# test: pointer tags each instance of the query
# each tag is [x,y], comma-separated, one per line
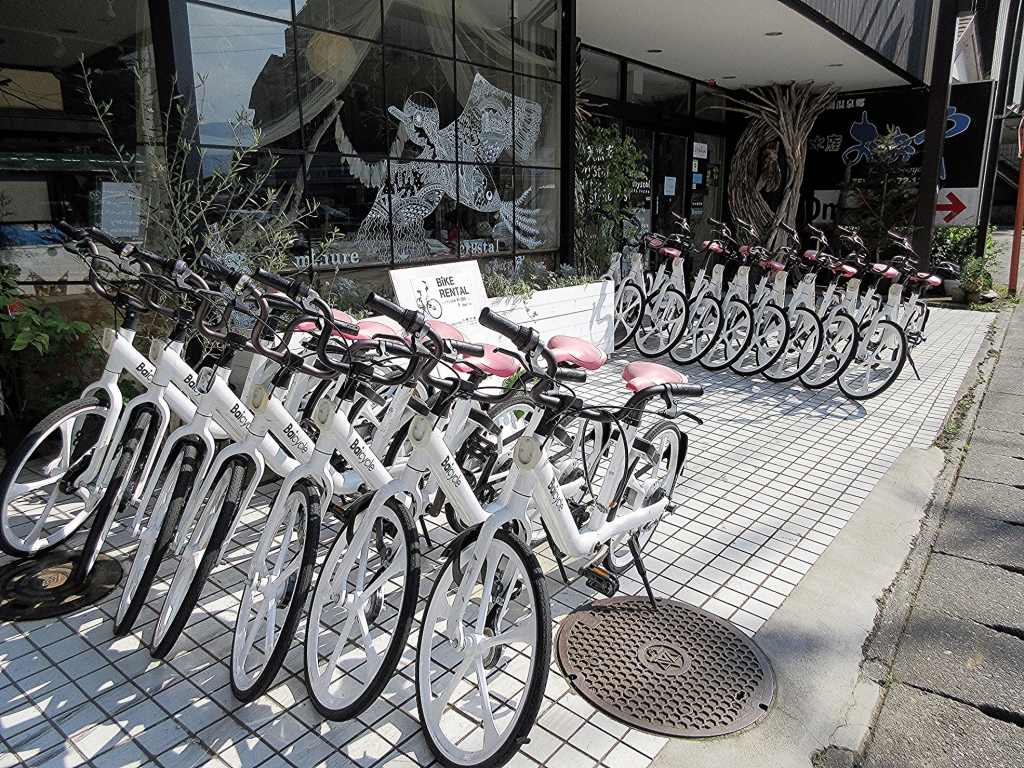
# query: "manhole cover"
[39,588]
[679,671]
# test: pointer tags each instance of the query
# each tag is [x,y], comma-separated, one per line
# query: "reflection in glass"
[536,24]
[281,9]
[419,84]
[600,74]
[425,25]
[483,32]
[539,210]
[546,94]
[487,228]
[341,82]
[243,65]
[652,88]
[709,104]
[352,17]
[485,128]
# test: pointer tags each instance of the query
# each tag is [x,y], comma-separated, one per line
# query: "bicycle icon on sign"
[428,306]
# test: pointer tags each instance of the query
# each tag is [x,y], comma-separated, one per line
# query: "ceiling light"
[67,30]
[654,50]
[833,65]
[772,34]
[729,77]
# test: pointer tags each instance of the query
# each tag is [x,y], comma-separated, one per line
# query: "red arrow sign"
[955,206]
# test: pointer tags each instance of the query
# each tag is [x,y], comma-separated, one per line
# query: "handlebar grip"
[787,229]
[72,232]
[409,319]
[101,237]
[466,349]
[165,263]
[218,270]
[346,328]
[574,375]
[523,338]
[686,390]
[395,347]
[293,289]
[715,223]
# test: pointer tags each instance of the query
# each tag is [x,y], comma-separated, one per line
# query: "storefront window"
[600,74]
[709,104]
[666,93]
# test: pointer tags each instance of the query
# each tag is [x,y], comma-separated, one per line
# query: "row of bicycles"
[378,427]
[820,315]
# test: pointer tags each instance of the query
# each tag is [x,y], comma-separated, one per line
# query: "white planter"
[583,311]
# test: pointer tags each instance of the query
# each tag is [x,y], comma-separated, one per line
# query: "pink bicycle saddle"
[672,253]
[576,352]
[641,375]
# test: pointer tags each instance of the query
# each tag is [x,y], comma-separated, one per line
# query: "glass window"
[600,74]
[352,17]
[540,105]
[483,32]
[537,27]
[420,101]
[666,93]
[486,115]
[341,82]
[282,9]
[537,217]
[709,104]
[244,65]
[425,25]
[485,211]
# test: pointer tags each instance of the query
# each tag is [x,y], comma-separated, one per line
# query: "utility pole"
[1018,222]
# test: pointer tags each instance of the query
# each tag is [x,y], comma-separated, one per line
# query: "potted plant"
[43,359]
[975,277]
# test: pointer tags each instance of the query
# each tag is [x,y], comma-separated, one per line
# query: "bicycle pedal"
[601,580]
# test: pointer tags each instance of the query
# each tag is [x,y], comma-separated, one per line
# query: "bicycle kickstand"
[910,359]
[634,547]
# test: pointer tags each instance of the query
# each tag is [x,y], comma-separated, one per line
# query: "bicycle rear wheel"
[479,696]
[159,529]
[879,360]
[40,507]
[275,592]
[362,610]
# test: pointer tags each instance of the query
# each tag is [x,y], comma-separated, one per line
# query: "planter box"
[583,311]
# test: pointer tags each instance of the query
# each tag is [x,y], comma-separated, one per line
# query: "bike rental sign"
[452,293]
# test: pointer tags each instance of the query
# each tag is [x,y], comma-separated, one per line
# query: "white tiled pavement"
[771,478]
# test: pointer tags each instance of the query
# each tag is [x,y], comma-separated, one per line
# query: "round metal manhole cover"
[678,671]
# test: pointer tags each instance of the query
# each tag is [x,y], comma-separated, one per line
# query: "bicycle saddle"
[492,362]
[672,253]
[640,375]
[446,331]
[774,266]
[885,270]
[933,280]
[712,245]
[575,351]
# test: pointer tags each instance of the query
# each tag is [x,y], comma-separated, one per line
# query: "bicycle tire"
[737,335]
[666,329]
[173,618]
[629,308]
[130,452]
[833,360]
[803,345]
[700,333]
[619,557]
[858,368]
[333,577]
[183,463]
[526,579]
[79,455]
[249,685]
[770,324]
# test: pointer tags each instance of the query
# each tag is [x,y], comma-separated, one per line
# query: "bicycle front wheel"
[40,506]
[737,333]
[839,345]
[771,327]
[362,610]
[879,360]
[802,347]
[629,311]
[701,332]
[480,677]
[275,592]
[665,317]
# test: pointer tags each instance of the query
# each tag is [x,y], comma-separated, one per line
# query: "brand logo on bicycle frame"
[295,439]
[362,454]
[556,494]
[190,382]
[146,371]
[240,417]
[451,472]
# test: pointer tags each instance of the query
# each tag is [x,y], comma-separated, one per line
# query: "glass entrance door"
[670,179]
[706,190]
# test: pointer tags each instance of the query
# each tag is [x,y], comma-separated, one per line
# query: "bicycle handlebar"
[525,339]
[411,320]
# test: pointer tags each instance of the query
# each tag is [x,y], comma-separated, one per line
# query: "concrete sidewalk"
[952,673]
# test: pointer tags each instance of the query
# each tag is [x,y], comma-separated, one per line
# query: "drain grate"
[678,671]
[40,587]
